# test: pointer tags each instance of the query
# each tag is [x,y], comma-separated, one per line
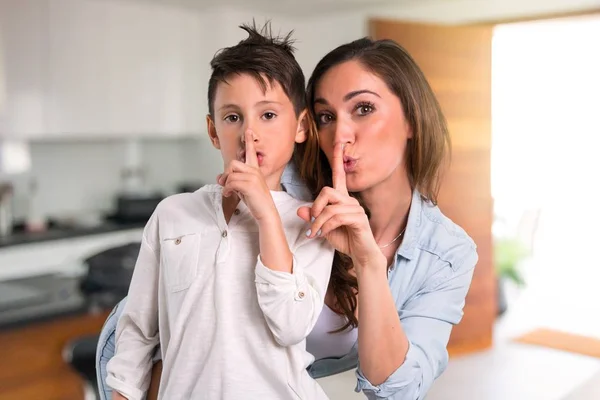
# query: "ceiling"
[290,8]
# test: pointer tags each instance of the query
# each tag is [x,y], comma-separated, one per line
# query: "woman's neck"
[389,204]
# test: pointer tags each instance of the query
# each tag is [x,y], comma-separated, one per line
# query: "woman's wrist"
[374,261]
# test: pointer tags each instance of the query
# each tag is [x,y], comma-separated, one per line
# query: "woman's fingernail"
[319,233]
[312,219]
[308,232]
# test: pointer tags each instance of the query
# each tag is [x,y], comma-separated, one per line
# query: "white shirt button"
[224,234]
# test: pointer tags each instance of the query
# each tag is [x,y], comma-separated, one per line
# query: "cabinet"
[32,364]
[90,69]
[23,26]
[76,64]
[154,67]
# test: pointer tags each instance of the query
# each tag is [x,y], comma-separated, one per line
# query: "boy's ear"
[302,130]
[212,132]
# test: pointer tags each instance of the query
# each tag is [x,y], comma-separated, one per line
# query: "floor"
[513,371]
[509,371]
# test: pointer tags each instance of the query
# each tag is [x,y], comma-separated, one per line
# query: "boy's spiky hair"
[261,55]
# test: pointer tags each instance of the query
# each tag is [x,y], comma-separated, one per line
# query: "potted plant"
[508,254]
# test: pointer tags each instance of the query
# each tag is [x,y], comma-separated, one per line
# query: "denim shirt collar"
[413,227]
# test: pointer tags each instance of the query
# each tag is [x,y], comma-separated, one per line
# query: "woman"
[403,269]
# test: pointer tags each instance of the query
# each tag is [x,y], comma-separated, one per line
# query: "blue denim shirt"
[429,282]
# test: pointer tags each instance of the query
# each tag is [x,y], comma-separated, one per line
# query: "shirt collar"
[411,234]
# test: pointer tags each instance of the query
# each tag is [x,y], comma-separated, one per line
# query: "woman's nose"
[344,132]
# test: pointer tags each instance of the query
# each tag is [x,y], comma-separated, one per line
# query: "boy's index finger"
[251,158]
[337,169]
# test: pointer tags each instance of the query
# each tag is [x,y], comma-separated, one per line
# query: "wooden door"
[457,63]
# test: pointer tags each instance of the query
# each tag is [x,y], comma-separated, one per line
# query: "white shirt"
[325,342]
[229,327]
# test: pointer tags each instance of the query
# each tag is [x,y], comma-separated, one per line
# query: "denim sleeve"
[106,349]
[427,319]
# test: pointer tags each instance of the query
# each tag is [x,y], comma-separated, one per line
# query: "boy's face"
[240,105]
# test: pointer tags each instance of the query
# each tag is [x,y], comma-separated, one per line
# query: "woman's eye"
[365,109]
[232,118]
[269,115]
[324,119]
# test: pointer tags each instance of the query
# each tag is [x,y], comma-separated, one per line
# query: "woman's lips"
[349,164]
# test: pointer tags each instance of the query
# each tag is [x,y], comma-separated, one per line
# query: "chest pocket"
[180,260]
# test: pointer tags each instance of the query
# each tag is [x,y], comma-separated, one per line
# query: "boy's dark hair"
[260,55]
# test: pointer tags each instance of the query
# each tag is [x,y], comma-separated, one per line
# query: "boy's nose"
[251,133]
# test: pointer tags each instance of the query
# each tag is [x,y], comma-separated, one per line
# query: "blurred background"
[102,114]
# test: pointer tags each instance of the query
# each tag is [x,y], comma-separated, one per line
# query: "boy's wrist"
[269,218]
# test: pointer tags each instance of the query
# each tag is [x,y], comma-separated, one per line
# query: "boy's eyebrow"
[224,106]
[235,106]
[263,102]
[349,96]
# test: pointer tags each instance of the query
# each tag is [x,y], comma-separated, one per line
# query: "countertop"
[56,232]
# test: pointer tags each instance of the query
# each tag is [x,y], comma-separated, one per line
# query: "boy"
[227,281]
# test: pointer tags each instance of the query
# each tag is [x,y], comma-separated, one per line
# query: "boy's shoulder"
[182,202]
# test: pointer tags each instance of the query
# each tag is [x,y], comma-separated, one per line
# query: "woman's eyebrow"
[357,92]
[349,96]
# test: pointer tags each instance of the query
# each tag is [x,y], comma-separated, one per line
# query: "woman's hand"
[339,217]
[246,180]
[118,396]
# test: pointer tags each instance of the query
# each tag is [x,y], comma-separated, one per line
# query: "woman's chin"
[354,184]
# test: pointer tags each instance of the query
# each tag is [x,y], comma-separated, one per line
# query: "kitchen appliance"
[109,274]
[135,208]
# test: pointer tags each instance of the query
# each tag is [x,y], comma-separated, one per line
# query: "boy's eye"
[232,118]
[269,115]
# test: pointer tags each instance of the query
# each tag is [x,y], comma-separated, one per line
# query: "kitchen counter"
[62,253]
[56,233]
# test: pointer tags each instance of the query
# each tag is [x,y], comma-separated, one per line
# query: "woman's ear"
[212,132]
[302,129]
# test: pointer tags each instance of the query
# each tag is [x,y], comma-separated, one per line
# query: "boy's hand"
[246,180]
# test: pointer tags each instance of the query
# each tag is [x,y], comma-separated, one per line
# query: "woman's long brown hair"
[316,173]
[426,152]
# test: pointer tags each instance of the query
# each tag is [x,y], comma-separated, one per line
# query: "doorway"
[546,167]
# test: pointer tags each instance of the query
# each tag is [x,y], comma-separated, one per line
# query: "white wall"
[88,177]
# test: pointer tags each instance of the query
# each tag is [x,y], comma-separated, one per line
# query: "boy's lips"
[259,156]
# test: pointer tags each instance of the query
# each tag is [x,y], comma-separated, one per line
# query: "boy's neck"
[229,205]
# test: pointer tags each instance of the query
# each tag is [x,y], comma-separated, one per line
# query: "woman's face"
[355,107]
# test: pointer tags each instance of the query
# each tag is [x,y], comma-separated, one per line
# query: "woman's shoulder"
[441,236]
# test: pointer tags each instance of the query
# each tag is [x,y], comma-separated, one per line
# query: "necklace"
[396,238]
